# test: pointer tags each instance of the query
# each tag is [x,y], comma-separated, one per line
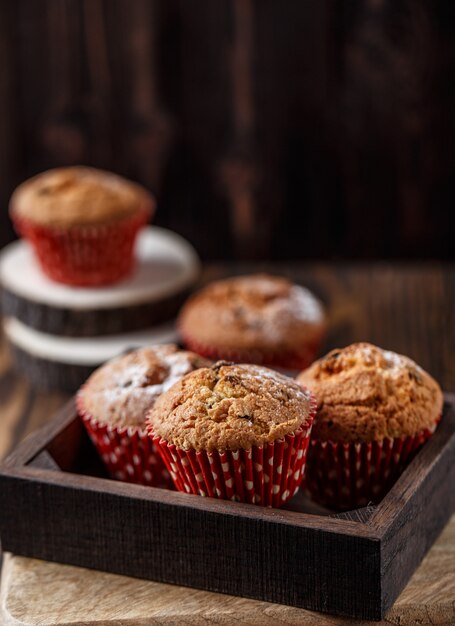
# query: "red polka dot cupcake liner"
[85,255]
[345,476]
[266,475]
[289,360]
[128,453]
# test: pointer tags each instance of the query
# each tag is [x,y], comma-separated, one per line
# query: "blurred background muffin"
[254,319]
[114,401]
[82,223]
[375,410]
[237,432]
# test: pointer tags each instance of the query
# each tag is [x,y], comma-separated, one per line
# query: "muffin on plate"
[114,401]
[258,319]
[238,432]
[375,410]
[82,223]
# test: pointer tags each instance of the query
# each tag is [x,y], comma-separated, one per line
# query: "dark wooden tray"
[57,506]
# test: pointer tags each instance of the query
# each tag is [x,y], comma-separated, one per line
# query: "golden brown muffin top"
[253,312]
[121,391]
[365,393]
[78,196]
[230,407]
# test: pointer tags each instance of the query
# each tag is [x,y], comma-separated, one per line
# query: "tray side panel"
[273,561]
[421,517]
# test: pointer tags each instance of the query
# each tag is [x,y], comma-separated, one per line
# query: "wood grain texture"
[410,525]
[49,375]
[296,558]
[331,114]
[405,308]
[23,410]
[77,596]
[92,322]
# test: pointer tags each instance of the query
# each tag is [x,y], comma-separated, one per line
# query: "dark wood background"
[297,129]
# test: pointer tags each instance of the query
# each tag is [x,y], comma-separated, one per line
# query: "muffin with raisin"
[114,402]
[81,222]
[238,432]
[258,319]
[376,408]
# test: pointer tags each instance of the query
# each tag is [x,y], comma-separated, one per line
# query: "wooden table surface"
[406,308]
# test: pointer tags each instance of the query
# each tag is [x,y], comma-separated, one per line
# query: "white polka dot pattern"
[344,476]
[128,454]
[267,475]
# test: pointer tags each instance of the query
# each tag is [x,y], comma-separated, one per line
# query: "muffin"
[237,432]
[82,223]
[375,410]
[114,402]
[254,319]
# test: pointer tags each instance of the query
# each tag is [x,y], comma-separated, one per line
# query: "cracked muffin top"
[253,312]
[121,391]
[78,196]
[230,407]
[365,393]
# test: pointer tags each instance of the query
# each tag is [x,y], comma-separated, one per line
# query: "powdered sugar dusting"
[391,363]
[260,373]
[367,353]
[136,378]
[397,362]
[272,317]
[179,365]
[124,389]
[305,305]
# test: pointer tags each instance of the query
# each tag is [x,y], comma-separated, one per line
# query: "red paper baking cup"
[267,475]
[345,476]
[295,360]
[128,453]
[85,255]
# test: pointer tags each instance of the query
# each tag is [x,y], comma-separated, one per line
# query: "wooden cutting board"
[47,594]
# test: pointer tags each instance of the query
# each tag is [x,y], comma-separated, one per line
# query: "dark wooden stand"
[166,270]
[60,334]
